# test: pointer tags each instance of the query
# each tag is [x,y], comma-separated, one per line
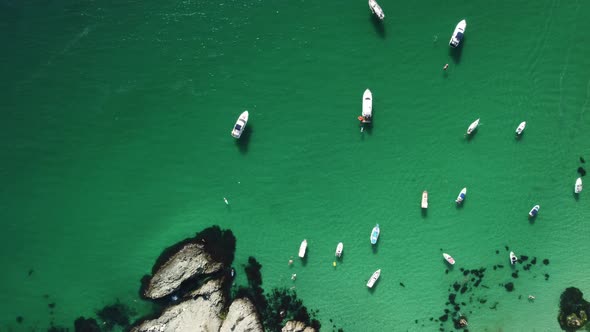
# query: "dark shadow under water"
[456,52]
[378,25]
[244,141]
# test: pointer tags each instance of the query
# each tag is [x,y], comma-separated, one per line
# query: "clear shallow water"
[116,144]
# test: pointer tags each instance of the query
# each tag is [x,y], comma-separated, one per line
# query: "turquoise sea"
[116,120]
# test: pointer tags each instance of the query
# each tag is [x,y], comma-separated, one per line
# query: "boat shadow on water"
[378,25]
[375,247]
[532,219]
[455,52]
[243,142]
[424,212]
[471,136]
[576,196]
[366,128]
[372,289]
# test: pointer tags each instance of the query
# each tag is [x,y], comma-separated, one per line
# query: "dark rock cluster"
[462,293]
[573,310]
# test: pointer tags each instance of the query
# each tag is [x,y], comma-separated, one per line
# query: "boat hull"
[534,211]
[367,110]
[513,258]
[339,249]
[461,196]
[302,248]
[578,186]
[375,234]
[472,127]
[424,202]
[520,128]
[376,9]
[458,34]
[449,259]
[240,125]
[373,278]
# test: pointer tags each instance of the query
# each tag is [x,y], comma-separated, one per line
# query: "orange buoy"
[360,118]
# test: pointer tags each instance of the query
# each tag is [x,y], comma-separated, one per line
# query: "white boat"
[472,126]
[373,278]
[513,258]
[520,128]
[578,186]
[461,196]
[302,248]
[367,113]
[240,125]
[376,9]
[375,234]
[534,211]
[457,36]
[339,249]
[449,259]
[424,203]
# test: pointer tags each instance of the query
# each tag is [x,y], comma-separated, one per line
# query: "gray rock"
[197,314]
[188,262]
[242,317]
[296,326]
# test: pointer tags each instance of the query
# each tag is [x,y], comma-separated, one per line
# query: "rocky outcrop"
[201,312]
[573,310]
[190,261]
[295,326]
[242,316]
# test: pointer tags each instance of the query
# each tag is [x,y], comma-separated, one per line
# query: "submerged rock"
[86,325]
[509,286]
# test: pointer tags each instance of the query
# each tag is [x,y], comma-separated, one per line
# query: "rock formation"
[199,313]
[187,263]
[242,316]
[296,326]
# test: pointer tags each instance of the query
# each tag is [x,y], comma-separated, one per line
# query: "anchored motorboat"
[458,33]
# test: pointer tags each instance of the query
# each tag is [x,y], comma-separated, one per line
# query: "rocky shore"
[192,281]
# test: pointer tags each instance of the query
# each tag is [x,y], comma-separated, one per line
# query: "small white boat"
[457,36]
[339,249]
[534,211]
[520,128]
[513,258]
[375,234]
[302,248]
[373,278]
[461,196]
[578,186]
[449,259]
[240,125]
[376,9]
[424,203]
[472,126]
[367,113]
